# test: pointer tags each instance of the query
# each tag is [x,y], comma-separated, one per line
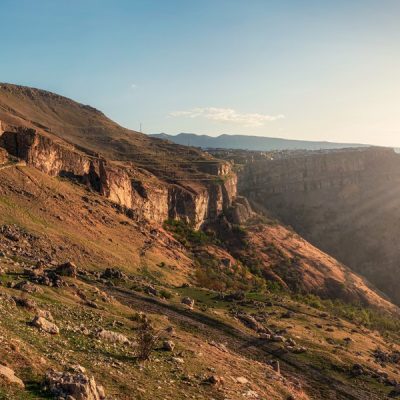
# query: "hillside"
[103,257]
[62,137]
[248,142]
[222,345]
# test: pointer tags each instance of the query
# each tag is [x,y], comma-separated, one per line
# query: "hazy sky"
[304,69]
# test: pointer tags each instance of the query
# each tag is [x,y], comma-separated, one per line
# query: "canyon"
[155,181]
[109,237]
[346,202]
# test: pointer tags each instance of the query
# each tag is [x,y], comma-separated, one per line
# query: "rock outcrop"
[78,386]
[195,202]
[46,326]
[9,375]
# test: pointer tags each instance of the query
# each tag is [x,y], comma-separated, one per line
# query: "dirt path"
[321,386]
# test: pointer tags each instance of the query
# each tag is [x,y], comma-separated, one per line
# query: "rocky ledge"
[143,194]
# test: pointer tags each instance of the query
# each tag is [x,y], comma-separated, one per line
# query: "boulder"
[278,338]
[28,287]
[168,345]
[9,375]
[113,337]
[151,290]
[74,385]
[45,325]
[170,330]
[215,380]
[113,273]
[67,269]
[251,322]
[188,301]
[25,302]
[45,314]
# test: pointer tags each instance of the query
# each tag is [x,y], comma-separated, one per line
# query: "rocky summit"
[135,268]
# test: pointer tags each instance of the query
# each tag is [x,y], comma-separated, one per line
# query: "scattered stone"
[215,380]
[151,290]
[170,330]
[386,357]
[10,376]
[113,273]
[91,304]
[288,314]
[242,380]
[25,302]
[67,269]
[168,345]
[45,325]
[113,337]
[251,322]
[188,301]
[357,370]
[28,287]
[278,338]
[76,385]
[45,314]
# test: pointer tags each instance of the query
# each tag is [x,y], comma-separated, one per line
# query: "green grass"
[186,235]
[356,313]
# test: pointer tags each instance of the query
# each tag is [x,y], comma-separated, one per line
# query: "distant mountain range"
[250,142]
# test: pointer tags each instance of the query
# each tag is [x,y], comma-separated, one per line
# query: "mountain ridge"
[253,143]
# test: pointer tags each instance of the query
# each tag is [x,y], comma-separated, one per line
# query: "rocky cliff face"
[124,183]
[345,202]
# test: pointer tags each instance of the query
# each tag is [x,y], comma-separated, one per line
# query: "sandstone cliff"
[124,183]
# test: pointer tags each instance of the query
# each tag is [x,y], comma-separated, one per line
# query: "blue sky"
[303,69]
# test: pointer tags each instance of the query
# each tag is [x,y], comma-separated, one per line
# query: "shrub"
[166,294]
[185,233]
[147,338]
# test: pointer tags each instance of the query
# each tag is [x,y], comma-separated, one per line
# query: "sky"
[301,69]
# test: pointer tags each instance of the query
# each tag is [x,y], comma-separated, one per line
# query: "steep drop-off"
[345,202]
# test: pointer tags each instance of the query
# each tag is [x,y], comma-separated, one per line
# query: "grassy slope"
[74,223]
[90,129]
[69,227]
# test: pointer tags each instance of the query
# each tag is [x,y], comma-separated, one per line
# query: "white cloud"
[227,115]
[133,86]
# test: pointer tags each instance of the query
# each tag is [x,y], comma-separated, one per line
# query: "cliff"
[125,184]
[345,202]
[149,177]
